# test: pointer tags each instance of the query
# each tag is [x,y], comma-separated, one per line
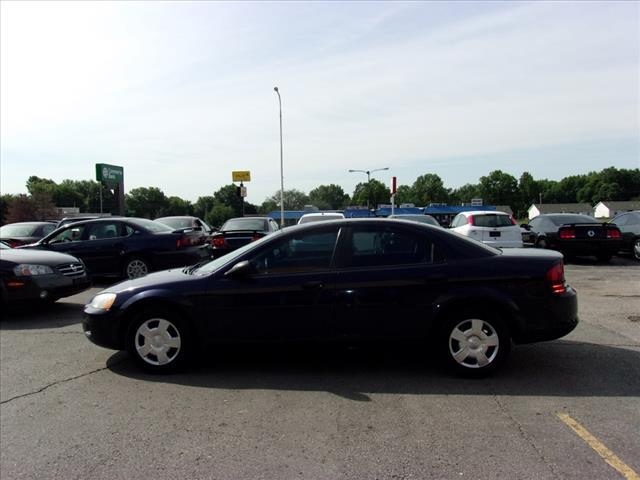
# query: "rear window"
[176,222]
[561,220]
[25,230]
[492,221]
[244,224]
[152,226]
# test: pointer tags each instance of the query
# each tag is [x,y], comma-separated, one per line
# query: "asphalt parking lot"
[563,409]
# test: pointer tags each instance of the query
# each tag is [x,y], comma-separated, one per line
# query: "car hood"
[39,257]
[150,281]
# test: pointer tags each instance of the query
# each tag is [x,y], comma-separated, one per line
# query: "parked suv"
[497,229]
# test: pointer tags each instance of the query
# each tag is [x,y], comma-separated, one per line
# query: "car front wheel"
[158,341]
[475,345]
[636,249]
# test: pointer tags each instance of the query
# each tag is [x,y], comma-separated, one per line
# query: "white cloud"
[182,95]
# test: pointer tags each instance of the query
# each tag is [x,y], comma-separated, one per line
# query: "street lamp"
[369,172]
[281,166]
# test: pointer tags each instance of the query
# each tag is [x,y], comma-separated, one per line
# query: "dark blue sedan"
[346,280]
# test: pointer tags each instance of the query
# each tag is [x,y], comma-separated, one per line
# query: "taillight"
[613,233]
[256,236]
[567,233]
[513,220]
[470,219]
[14,243]
[218,242]
[182,242]
[555,279]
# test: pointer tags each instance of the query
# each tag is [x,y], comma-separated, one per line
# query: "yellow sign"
[241,176]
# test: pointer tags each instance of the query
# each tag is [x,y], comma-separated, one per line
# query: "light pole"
[281,165]
[369,172]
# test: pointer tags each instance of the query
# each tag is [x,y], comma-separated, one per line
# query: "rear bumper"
[556,318]
[587,247]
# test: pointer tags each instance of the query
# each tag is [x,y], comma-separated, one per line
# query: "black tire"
[542,243]
[135,267]
[166,345]
[474,343]
[635,249]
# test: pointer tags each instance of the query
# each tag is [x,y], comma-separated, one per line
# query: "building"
[581,208]
[611,209]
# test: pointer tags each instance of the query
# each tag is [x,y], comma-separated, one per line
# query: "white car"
[497,229]
[319,217]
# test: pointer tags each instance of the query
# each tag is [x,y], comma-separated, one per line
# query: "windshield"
[244,224]
[18,230]
[214,265]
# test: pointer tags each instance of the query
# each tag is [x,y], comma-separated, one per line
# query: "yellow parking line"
[607,455]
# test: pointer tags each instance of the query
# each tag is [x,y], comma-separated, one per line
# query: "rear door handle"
[312,285]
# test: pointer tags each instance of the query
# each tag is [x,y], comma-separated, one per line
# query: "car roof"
[324,214]
[484,212]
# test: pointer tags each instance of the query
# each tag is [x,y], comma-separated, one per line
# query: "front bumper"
[103,328]
[44,287]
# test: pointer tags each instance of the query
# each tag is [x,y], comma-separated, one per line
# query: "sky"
[180,94]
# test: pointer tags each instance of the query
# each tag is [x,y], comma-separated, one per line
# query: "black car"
[237,232]
[629,225]
[28,275]
[22,233]
[344,280]
[575,234]
[124,247]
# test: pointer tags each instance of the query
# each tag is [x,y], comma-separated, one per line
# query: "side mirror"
[239,270]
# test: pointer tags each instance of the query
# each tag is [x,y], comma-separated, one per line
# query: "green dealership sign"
[109,174]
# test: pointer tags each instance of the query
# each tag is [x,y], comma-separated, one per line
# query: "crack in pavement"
[523,434]
[58,382]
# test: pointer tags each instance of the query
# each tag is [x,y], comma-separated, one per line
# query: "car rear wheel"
[636,249]
[542,243]
[158,341]
[475,344]
[135,267]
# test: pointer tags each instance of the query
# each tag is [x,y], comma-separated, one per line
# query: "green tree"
[37,184]
[147,202]
[428,188]
[219,214]
[329,197]
[293,199]
[371,193]
[178,206]
[202,206]
[5,201]
[405,194]
[499,188]
[465,193]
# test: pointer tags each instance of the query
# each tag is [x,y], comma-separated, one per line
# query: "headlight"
[27,270]
[103,301]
